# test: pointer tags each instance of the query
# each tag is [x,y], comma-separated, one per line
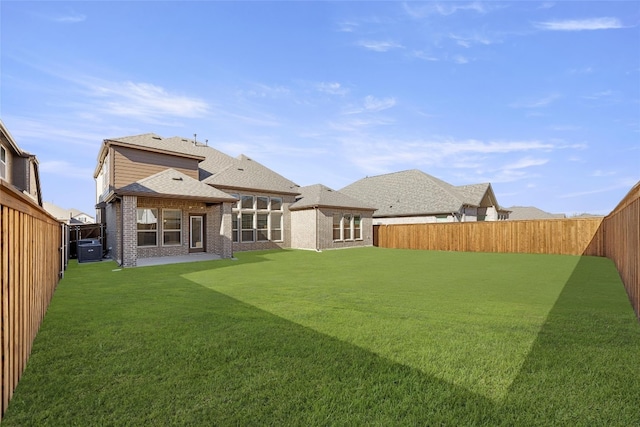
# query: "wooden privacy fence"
[620,241]
[30,263]
[556,236]
[616,236]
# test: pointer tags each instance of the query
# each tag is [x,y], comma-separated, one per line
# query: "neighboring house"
[412,196]
[531,212]
[18,167]
[326,219]
[68,216]
[173,196]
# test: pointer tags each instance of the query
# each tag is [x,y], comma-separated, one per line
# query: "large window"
[257,218]
[171,227]
[147,223]
[347,227]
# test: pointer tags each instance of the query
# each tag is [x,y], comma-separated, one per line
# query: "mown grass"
[366,336]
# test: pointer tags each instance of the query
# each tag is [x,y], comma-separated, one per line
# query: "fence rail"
[30,265]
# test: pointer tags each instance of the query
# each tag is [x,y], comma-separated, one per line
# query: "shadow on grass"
[171,352]
[583,367]
[149,347]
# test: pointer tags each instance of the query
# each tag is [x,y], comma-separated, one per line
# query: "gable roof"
[174,184]
[247,174]
[531,212]
[319,195]
[413,192]
[214,168]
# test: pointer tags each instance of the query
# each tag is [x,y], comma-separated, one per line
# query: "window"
[257,218]
[357,227]
[262,202]
[147,223]
[346,225]
[337,227]
[247,227]
[262,227]
[276,204]
[171,227]
[3,163]
[442,218]
[246,202]
[276,226]
[235,218]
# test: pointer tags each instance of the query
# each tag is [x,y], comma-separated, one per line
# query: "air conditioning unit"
[88,252]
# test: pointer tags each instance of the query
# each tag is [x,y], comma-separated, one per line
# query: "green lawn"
[350,337]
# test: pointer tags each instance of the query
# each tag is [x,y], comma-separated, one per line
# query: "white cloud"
[537,103]
[622,183]
[459,59]
[599,95]
[375,104]
[379,46]
[332,88]
[443,9]
[68,18]
[145,100]
[420,54]
[380,156]
[468,41]
[524,163]
[605,23]
[347,26]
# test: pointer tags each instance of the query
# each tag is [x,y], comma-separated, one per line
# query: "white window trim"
[147,231]
[254,212]
[179,229]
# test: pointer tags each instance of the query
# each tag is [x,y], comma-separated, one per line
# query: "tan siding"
[131,165]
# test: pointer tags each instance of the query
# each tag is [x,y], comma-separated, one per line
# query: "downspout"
[317,231]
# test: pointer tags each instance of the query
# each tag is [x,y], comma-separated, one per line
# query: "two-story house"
[173,196]
[19,168]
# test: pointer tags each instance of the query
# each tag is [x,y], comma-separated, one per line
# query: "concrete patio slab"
[146,262]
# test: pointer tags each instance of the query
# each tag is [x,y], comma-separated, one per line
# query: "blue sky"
[542,99]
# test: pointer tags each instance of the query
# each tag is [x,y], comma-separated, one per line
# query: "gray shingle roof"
[322,196]
[171,183]
[414,192]
[246,173]
[531,212]
[218,169]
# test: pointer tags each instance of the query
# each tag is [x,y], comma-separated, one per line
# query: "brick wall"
[286,226]
[325,229]
[129,231]
[214,220]
[303,222]
[112,219]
